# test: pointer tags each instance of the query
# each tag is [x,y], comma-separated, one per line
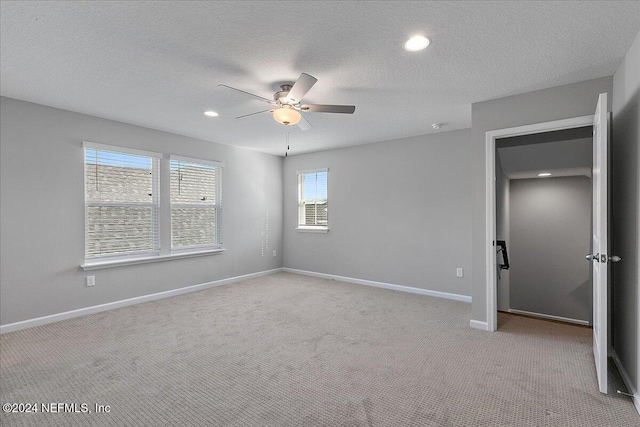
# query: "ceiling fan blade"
[303,124]
[270,101]
[301,87]
[319,108]
[253,114]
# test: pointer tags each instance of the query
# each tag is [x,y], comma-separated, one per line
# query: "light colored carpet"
[289,350]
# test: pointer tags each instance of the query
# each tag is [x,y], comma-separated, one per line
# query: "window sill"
[99,264]
[321,229]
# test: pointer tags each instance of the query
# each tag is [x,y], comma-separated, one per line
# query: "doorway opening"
[490,249]
[543,225]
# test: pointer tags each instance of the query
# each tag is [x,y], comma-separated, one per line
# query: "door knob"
[592,257]
[615,258]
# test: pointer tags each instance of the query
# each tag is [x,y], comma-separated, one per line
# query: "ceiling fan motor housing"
[281,95]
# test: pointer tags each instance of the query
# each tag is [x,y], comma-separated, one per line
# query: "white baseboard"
[38,321]
[477,324]
[549,316]
[627,381]
[391,286]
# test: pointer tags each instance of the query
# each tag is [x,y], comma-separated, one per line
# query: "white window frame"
[160,195]
[154,204]
[310,228]
[217,207]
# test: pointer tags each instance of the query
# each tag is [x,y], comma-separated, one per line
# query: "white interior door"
[598,256]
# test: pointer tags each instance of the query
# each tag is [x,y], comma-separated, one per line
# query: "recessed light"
[417,43]
[544,174]
[436,125]
[211,114]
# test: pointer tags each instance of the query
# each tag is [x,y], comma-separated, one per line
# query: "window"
[195,204]
[121,202]
[312,200]
[128,222]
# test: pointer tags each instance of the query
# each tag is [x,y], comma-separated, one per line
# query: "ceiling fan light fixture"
[287,115]
[417,43]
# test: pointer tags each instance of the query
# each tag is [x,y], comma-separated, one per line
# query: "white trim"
[627,380]
[312,229]
[549,316]
[123,204]
[120,149]
[39,321]
[477,324]
[554,125]
[312,171]
[196,161]
[490,237]
[401,288]
[490,197]
[194,206]
[107,263]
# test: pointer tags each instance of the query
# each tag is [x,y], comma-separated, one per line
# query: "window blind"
[196,204]
[121,203]
[312,198]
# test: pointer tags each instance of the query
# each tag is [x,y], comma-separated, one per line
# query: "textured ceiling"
[157,64]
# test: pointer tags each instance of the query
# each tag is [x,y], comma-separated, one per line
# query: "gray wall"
[626,200]
[42,212]
[550,235]
[503,186]
[399,212]
[578,99]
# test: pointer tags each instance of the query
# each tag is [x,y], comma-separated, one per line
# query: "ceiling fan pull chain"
[286,153]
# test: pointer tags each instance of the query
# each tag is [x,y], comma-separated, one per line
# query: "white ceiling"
[157,64]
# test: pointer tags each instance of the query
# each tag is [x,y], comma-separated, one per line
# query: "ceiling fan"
[287,103]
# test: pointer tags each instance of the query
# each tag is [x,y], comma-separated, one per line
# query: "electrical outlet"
[460,272]
[274,253]
[91,280]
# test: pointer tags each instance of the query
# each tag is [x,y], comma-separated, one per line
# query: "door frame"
[490,203]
